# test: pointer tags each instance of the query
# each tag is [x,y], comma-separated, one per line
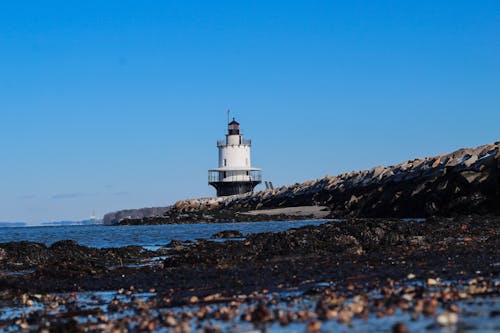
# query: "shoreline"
[339,240]
[354,260]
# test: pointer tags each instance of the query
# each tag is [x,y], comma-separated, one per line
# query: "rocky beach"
[410,247]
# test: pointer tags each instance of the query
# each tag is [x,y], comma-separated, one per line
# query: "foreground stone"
[66,257]
[228,234]
[382,308]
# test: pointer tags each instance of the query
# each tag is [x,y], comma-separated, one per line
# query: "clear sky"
[106,105]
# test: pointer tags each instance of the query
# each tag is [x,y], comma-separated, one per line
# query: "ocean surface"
[148,236]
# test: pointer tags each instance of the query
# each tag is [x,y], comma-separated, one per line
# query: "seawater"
[148,236]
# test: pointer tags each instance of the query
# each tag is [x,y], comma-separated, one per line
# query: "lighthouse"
[235,175]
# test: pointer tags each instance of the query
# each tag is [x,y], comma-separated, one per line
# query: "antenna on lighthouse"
[228,110]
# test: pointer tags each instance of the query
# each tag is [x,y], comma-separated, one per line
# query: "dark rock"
[71,326]
[470,176]
[22,255]
[228,234]
[66,257]
[261,314]
[174,243]
[356,250]
[3,254]
[494,313]
[400,328]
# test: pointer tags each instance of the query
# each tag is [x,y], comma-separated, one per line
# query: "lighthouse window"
[225,162]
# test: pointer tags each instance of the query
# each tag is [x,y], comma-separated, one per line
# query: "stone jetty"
[466,181]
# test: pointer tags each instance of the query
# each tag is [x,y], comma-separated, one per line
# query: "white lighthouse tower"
[234,174]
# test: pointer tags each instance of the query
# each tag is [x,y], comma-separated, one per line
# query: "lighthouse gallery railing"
[221,143]
[232,176]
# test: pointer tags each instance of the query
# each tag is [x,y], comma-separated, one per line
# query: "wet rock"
[313,327]
[470,176]
[174,243]
[228,234]
[348,244]
[22,255]
[447,319]
[71,326]
[3,254]
[400,328]
[494,313]
[261,314]
[470,161]
[345,316]
[431,281]
[67,258]
[430,307]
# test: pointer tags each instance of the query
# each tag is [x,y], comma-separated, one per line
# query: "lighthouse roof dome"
[234,122]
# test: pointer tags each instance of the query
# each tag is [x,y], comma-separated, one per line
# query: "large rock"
[65,255]
[228,234]
[3,254]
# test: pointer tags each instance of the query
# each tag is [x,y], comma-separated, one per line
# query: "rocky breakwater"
[466,181]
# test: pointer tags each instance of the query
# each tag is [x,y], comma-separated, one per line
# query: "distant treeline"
[115,217]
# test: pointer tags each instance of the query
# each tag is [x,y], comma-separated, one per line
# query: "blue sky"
[107,105]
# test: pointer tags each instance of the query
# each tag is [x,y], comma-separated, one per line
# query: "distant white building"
[235,174]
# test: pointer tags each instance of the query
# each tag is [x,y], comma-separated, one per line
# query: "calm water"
[147,236]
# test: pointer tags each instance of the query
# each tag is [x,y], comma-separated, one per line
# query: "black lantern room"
[233,127]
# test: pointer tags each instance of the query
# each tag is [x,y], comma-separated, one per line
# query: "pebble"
[171,321]
[431,282]
[344,316]
[430,307]
[313,327]
[400,328]
[264,307]
[447,318]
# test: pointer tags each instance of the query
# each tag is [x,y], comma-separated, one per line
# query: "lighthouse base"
[232,188]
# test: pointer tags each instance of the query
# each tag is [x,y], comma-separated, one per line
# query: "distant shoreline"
[13,224]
